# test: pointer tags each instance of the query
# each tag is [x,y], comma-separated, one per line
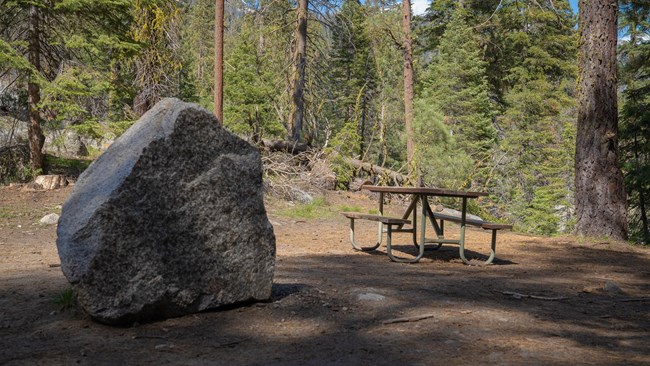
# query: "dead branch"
[517,295]
[408,319]
[286,146]
[291,176]
[387,174]
[397,43]
[232,343]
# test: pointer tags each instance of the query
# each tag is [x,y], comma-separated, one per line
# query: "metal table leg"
[356,245]
[463,217]
[420,246]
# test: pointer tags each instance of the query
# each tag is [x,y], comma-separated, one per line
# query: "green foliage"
[535,170]
[8,213]
[346,208]
[249,87]
[66,166]
[495,98]
[353,67]
[454,102]
[80,45]
[69,96]
[536,157]
[158,65]
[313,210]
[66,299]
[501,77]
[460,90]
[440,162]
[198,52]
[635,117]
[344,145]
[386,143]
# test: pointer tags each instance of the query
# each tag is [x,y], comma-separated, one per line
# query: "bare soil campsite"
[546,300]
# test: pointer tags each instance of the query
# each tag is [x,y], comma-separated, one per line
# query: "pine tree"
[249,86]
[635,116]
[387,141]
[198,52]
[72,41]
[532,68]
[353,65]
[456,84]
[157,67]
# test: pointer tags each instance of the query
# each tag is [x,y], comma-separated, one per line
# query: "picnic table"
[408,222]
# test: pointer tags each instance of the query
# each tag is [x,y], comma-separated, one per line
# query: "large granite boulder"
[170,220]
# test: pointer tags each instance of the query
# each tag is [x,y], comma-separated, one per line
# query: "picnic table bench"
[420,195]
[388,221]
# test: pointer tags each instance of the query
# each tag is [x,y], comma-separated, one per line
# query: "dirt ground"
[575,301]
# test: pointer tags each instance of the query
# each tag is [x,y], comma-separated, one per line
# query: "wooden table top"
[425,191]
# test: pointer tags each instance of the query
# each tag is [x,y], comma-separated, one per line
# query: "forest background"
[495,87]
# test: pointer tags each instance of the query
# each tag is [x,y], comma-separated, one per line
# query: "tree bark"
[218,60]
[600,194]
[300,61]
[35,134]
[408,84]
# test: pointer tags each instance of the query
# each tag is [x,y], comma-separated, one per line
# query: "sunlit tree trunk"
[300,62]
[218,61]
[600,195]
[408,84]
[35,134]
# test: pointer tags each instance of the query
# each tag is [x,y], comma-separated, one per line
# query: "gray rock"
[50,219]
[50,182]
[369,296]
[170,220]
[612,288]
[301,196]
[456,213]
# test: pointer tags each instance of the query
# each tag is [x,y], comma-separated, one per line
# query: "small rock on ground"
[50,219]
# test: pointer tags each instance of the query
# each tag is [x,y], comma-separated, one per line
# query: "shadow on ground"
[361,309]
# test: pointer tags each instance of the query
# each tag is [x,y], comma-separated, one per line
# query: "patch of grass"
[7,213]
[66,299]
[373,211]
[355,208]
[315,209]
[65,166]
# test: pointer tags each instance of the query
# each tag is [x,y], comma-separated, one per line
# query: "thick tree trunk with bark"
[600,194]
[300,61]
[218,60]
[35,134]
[408,83]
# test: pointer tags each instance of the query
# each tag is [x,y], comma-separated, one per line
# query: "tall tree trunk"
[408,84]
[35,134]
[383,152]
[600,194]
[300,62]
[218,61]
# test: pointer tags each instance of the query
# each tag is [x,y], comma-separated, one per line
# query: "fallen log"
[375,170]
[518,296]
[286,146]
